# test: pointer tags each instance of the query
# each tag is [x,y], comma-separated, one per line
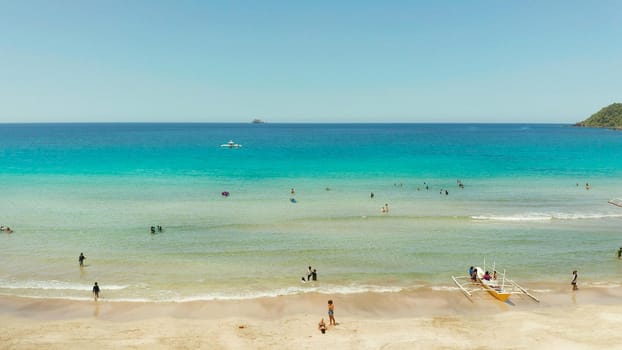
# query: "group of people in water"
[293,192]
[154,228]
[311,275]
[6,229]
[385,208]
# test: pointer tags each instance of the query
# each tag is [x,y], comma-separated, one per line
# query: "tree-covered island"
[607,117]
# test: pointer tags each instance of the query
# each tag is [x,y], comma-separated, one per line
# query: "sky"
[308,61]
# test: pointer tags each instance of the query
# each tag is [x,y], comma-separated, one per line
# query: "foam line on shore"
[289,291]
[52,285]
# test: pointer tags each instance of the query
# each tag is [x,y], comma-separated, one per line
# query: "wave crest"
[546,216]
[52,285]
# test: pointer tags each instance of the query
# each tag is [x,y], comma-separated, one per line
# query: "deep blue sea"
[311,150]
[97,189]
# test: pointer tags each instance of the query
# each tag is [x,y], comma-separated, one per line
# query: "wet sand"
[418,319]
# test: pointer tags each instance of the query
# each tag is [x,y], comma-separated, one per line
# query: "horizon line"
[279,122]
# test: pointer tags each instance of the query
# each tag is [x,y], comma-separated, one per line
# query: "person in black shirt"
[96,291]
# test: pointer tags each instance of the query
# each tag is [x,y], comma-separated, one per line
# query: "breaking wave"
[545,217]
[52,285]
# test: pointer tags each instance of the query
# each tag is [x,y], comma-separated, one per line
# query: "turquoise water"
[96,188]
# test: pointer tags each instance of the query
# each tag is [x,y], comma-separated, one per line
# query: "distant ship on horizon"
[257,121]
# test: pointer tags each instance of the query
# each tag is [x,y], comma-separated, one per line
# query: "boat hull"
[499,294]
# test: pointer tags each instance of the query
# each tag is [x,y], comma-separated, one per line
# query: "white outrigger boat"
[231,144]
[498,286]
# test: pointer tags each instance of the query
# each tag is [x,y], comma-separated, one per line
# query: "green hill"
[608,117]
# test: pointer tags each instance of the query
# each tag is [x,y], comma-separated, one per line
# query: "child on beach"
[322,326]
[574,280]
[331,313]
[81,259]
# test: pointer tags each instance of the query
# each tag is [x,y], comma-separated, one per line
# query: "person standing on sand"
[574,280]
[96,291]
[331,313]
[81,259]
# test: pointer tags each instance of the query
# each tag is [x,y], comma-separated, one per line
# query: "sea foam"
[52,285]
[546,216]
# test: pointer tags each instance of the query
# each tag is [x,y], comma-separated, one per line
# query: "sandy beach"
[418,319]
[221,174]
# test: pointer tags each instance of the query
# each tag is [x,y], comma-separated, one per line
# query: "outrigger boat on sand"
[498,286]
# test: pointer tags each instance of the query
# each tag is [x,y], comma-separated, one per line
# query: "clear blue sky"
[309,61]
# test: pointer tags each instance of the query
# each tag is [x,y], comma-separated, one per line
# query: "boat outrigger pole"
[524,291]
[466,292]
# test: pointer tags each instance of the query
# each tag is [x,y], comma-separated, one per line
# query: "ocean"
[98,188]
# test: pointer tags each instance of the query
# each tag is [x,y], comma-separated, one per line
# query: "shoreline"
[403,320]
[111,294]
[428,301]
